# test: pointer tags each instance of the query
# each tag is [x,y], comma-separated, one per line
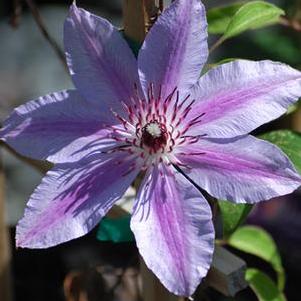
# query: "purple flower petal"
[173,229]
[175,49]
[240,96]
[101,63]
[243,170]
[59,127]
[72,199]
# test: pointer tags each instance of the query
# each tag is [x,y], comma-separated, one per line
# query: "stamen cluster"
[153,127]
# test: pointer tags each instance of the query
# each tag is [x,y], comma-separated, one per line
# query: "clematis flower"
[153,114]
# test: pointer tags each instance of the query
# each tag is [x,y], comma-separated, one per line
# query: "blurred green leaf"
[263,286]
[218,18]
[290,143]
[115,229]
[252,15]
[279,46]
[233,215]
[258,242]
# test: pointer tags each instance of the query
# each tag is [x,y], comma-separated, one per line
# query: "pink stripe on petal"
[240,96]
[243,170]
[173,229]
[72,199]
[59,127]
[175,49]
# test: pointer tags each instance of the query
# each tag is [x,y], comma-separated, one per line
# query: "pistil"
[155,126]
[154,136]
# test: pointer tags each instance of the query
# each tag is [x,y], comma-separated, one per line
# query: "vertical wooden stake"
[5,283]
[138,16]
[133,20]
[296,120]
[153,290]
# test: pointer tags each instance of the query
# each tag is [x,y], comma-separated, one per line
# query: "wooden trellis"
[5,284]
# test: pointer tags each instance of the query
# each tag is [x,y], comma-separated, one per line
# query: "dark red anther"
[185,99]
[193,154]
[170,96]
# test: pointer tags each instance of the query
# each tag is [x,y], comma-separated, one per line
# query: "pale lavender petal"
[243,170]
[175,49]
[72,199]
[238,97]
[173,230]
[101,63]
[59,127]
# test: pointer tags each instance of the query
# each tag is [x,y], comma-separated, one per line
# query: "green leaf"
[263,286]
[285,48]
[115,229]
[233,215]
[289,142]
[218,18]
[252,15]
[258,242]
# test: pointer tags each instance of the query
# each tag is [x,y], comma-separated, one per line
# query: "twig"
[216,44]
[293,24]
[39,21]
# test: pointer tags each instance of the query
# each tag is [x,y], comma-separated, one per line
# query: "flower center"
[155,128]
[154,135]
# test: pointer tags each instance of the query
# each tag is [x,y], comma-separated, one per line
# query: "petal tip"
[73,10]
[73,6]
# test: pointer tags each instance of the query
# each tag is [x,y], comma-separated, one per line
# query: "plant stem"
[217,44]
[39,21]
